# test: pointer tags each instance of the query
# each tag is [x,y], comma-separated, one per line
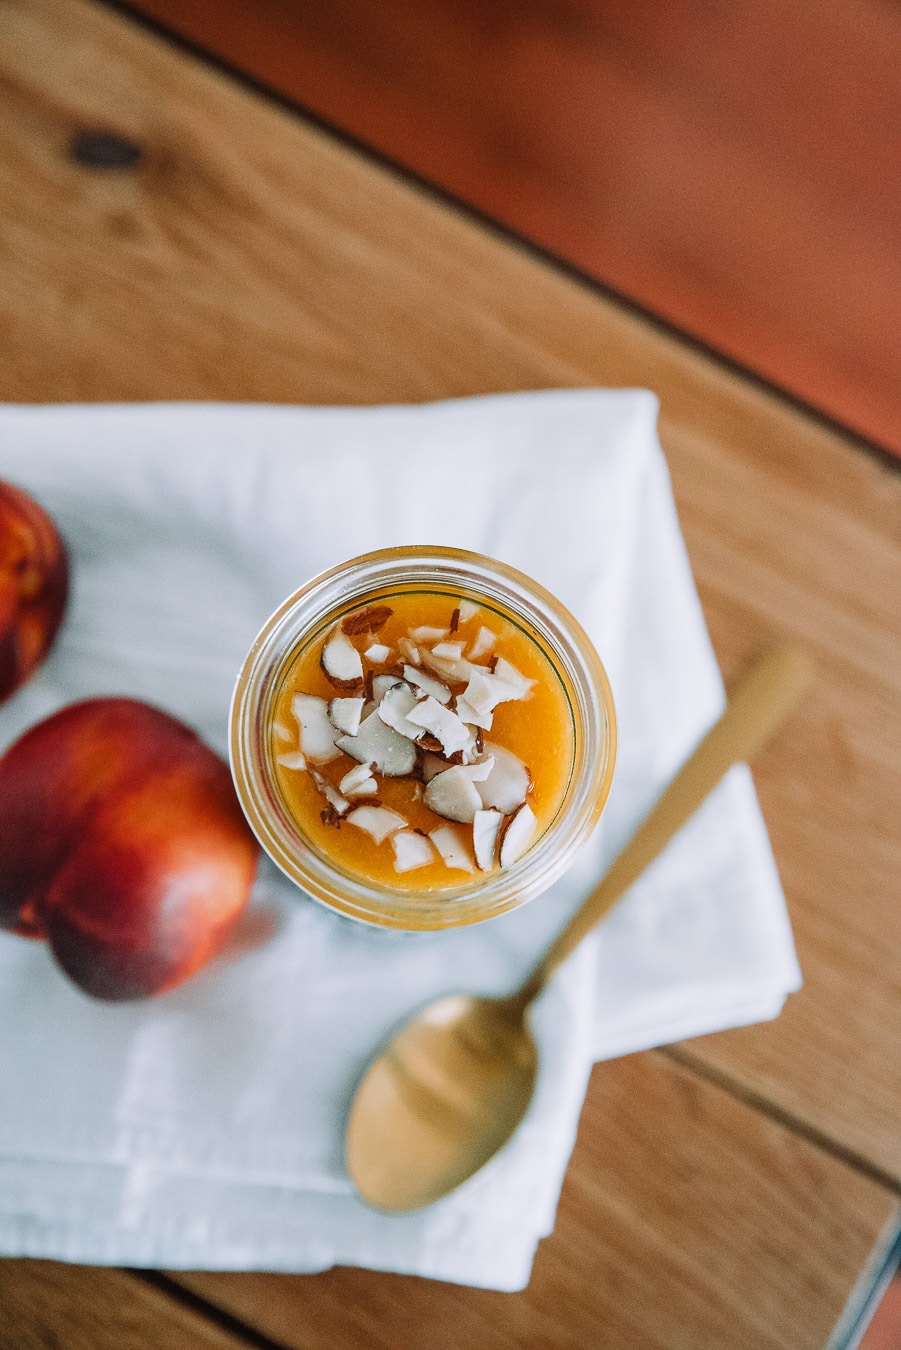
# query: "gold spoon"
[452,1086]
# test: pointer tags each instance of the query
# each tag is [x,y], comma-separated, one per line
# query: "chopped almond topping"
[342,662]
[452,794]
[426,634]
[316,731]
[518,835]
[393,755]
[448,651]
[396,703]
[411,850]
[377,821]
[451,731]
[293,759]
[486,827]
[358,782]
[427,683]
[423,718]
[367,620]
[331,794]
[345,713]
[508,783]
[484,642]
[408,650]
[509,675]
[454,847]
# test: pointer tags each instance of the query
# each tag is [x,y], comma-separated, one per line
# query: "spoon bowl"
[451,1087]
[461,1076]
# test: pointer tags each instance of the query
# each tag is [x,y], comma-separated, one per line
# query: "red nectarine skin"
[122,841]
[33,586]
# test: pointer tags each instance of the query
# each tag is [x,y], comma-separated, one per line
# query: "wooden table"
[736,1190]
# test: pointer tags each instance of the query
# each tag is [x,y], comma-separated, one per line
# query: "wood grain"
[45,1305]
[687,1219]
[248,256]
[734,168]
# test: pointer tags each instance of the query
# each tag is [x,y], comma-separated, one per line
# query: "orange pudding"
[472,675]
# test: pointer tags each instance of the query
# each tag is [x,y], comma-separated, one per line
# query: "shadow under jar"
[422,738]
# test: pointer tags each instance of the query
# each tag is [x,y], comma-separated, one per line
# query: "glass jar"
[306,617]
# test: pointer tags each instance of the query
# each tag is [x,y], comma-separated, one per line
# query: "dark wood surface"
[732,167]
[728,1191]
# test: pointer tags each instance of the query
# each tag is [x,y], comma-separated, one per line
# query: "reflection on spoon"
[452,1086]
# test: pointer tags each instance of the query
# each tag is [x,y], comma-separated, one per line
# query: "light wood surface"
[45,1305]
[248,256]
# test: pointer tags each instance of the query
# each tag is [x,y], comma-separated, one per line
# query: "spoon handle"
[762,700]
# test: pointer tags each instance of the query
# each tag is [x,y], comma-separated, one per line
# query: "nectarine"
[122,842]
[33,586]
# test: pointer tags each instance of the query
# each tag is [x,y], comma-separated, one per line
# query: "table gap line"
[225,1321]
[760,1102]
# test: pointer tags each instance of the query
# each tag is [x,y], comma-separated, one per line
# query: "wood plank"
[734,168]
[45,1304]
[686,1219]
[800,559]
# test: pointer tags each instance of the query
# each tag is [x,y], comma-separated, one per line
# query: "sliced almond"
[482,644]
[411,850]
[450,730]
[432,764]
[293,759]
[345,714]
[342,662]
[408,650]
[380,745]
[358,782]
[331,794]
[471,716]
[427,683]
[454,847]
[317,735]
[511,676]
[508,783]
[378,653]
[457,671]
[486,826]
[380,686]
[485,691]
[518,836]
[367,620]
[425,634]
[480,693]
[377,821]
[452,794]
[448,651]
[397,702]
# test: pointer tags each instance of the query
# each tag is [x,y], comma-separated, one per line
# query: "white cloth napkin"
[203,1129]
